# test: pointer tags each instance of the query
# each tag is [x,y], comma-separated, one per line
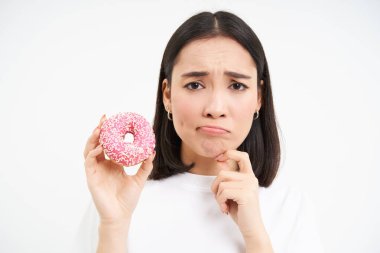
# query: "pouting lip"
[217,127]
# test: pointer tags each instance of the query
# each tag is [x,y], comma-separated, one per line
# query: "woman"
[217,153]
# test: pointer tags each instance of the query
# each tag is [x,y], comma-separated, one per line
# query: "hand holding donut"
[237,193]
[114,192]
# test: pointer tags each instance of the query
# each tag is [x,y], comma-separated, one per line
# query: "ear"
[166,93]
[259,94]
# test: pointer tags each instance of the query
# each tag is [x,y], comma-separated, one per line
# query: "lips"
[213,130]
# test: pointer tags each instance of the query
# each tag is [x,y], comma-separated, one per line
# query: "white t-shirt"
[180,214]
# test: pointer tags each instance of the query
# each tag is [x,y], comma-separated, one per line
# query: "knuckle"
[255,181]
[253,178]
[220,190]
[219,199]
[222,186]
[89,153]
[221,193]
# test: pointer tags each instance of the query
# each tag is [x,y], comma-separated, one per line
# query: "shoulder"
[281,193]
[287,204]
[289,213]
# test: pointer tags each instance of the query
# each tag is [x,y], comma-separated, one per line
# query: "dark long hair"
[262,142]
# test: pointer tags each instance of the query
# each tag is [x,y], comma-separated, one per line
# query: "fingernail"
[220,157]
[101,118]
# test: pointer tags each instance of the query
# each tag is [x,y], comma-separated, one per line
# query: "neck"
[207,166]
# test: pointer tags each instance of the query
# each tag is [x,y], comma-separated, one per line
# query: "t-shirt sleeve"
[306,235]
[86,239]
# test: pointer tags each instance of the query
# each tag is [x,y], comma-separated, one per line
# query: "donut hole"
[129,138]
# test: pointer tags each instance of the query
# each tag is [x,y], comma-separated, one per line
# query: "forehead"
[219,51]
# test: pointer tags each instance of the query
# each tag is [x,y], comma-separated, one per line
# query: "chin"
[212,148]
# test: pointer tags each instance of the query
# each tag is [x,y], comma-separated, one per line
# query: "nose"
[215,106]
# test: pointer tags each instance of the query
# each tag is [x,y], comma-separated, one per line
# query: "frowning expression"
[213,95]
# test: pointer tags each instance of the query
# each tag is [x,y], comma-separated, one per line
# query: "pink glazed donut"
[112,135]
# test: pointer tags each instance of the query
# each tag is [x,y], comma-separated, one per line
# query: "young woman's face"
[213,86]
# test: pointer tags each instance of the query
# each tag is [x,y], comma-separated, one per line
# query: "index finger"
[93,140]
[242,158]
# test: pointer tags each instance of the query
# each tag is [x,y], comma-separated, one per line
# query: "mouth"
[212,130]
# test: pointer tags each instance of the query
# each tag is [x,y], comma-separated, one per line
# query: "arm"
[113,237]
[260,243]
[237,193]
[114,193]
[253,245]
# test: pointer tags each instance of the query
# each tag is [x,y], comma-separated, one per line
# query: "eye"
[193,86]
[239,86]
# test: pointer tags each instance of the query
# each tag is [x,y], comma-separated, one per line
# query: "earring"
[169,117]
[257,115]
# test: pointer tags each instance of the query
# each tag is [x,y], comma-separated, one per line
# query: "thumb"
[145,168]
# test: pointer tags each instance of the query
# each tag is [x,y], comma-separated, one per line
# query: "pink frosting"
[112,135]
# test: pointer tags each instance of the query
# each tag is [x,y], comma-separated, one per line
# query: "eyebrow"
[205,73]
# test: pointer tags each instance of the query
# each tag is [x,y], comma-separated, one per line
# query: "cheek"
[245,105]
[243,116]
[184,111]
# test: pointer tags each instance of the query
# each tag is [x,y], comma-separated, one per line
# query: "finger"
[228,194]
[92,143]
[101,157]
[93,140]
[223,166]
[242,158]
[226,175]
[145,168]
[228,185]
[91,161]
[103,118]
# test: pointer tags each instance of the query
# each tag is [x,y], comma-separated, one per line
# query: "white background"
[63,64]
